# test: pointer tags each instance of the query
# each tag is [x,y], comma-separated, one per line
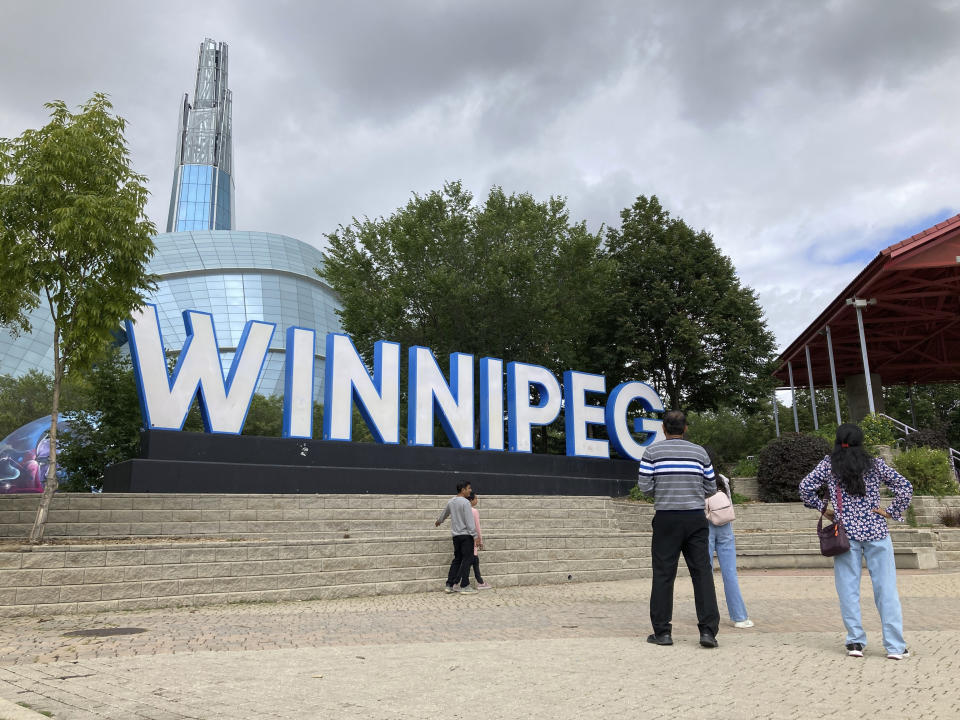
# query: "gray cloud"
[797,133]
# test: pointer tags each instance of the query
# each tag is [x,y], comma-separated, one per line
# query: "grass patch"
[45,713]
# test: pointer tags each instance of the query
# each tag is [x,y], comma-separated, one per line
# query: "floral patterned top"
[857,516]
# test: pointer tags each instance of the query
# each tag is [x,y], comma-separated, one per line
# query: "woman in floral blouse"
[857,477]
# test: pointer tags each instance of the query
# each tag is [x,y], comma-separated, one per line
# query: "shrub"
[739,499]
[635,494]
[950,518]
[828,432]
[745,467]
[929,470]
[925,437]
[878,431]
[784,462]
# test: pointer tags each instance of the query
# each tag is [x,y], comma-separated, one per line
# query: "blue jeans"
[883,576]
[721,541]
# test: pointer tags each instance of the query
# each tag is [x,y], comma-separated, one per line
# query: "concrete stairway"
[290,516]
[141,551]
[948,549]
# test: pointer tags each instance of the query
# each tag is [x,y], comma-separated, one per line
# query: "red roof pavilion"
[911,326]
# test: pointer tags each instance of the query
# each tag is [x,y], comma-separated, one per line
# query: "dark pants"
[687,533]
[462,560]
[476,569]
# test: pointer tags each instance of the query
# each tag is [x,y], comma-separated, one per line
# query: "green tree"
[684,319]
[107,429]
[935,407]
[29,396]
[73,228]
[265,416]
[513,278]
[732,434]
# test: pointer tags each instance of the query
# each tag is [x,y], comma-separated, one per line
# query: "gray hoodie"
[461,516]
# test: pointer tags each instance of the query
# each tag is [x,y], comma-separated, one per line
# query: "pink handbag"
[719,507]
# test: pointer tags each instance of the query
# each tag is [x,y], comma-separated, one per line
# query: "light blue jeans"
[883,576]
[721,541]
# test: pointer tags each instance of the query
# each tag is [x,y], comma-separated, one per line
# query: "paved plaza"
[570,651]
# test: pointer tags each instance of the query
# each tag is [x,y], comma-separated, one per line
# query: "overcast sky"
[804,136]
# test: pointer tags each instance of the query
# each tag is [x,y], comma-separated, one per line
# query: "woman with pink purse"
[719,509]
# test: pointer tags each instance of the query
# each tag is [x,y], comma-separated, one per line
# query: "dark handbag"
[833,537]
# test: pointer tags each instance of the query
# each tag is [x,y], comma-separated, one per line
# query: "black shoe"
[661,639]
[854,649]
[707,640]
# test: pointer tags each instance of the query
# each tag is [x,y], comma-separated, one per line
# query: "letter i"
[298,383]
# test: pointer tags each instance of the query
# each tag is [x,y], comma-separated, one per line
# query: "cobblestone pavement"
[572,651]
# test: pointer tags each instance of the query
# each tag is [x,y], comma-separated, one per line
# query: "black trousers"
[687,533]
[476,569]
[462,560]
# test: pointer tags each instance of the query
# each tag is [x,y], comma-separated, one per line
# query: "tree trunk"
[50,485]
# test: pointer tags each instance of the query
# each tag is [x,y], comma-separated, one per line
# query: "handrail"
[906,430]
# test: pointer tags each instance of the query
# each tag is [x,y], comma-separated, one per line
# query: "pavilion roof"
[912,325]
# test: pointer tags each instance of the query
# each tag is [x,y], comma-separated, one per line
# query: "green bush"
[878,431]
[745,468]
[828,432]
[925,437]
[928,469]
[635,494]
[784,462]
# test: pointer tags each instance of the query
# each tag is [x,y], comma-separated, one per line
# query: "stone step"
[203,501]
[73,578]
[286,528]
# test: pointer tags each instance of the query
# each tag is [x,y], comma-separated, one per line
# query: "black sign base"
[182,462]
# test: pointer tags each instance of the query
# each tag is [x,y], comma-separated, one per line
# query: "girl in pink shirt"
[477,543]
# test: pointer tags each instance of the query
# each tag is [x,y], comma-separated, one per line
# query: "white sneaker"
[748,623]
[451,588]
[468,590]
[898,656]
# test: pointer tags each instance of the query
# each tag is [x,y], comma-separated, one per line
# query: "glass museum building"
[203,263]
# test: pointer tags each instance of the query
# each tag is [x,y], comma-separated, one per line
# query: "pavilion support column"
[860,388]
[813,393]
[833,376]
[793,397]
[776,414]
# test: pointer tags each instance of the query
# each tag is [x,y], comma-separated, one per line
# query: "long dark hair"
[849,459]
[716,468]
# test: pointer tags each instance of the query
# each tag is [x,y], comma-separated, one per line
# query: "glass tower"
[202,195]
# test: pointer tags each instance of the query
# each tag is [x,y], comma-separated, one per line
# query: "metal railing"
[906,430]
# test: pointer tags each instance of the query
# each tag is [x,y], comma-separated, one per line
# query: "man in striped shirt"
[680,476]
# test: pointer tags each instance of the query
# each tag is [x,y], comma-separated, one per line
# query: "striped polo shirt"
[678,474]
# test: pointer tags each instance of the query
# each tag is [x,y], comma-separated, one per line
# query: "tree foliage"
[684,320]
[732,434]
[511,278]
[106,430]
[77,241]
[28,397]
